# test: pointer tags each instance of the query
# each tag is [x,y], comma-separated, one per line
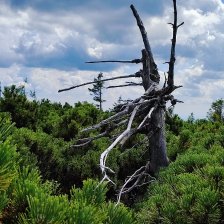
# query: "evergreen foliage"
[216,112]
[191,189]
[45,180]
[96,91]
[25,198]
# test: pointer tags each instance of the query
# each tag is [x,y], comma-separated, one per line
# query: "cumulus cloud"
[48,42]
[46,82]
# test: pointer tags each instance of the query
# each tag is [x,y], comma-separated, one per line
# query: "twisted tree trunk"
[149,109]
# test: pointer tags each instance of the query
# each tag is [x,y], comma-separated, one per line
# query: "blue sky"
[48,42]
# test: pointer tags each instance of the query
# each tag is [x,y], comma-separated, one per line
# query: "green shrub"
[45,209]
[191,189]
[86,206]
[91,193]
[118,215]
[84,214]
[8,162]
[185,139]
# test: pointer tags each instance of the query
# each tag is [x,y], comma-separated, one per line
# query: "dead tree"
[150,107]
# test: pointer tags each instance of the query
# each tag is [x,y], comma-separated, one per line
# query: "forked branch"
[137,179]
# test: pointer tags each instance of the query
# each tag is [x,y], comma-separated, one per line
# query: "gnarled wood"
[148,110]
[158,156]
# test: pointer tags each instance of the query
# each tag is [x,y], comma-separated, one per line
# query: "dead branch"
[175,27]
[165,81]
[104,155]
[134,83]
[85,141]
[137,74]
[128,109]
[135,145]
[135,130]
[108,120]
[125,85]
[164,91]
[145,119]
[145,41]
[135,61]
[138,175]
[143,32]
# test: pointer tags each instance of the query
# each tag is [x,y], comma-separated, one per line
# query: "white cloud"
[47,82]
[159,31]
[211,89]
[30,34]
[198,25]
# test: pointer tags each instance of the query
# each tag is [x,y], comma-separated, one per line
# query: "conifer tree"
[96,91]
[216,112]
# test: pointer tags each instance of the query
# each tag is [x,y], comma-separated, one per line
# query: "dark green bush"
[191,189]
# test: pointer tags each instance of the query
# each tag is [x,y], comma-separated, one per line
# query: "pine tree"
[96,91]
[216,112]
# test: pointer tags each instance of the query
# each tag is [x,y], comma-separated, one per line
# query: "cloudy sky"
[48,41]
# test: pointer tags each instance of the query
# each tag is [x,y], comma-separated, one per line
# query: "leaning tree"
[148,111]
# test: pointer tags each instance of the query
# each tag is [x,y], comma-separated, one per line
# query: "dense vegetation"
[43,179]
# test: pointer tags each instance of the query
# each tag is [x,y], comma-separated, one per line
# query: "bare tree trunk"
[157,140]
[156,126]
[151,106]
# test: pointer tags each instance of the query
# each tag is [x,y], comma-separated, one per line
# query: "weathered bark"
[156,126]
[148,110]
[157,141]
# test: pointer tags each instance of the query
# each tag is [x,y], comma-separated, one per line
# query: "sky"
[47,42]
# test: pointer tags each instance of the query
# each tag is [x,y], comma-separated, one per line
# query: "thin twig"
[125,85]
[103,80]
[135,145]
[138,174]
[135,61]
[86,141]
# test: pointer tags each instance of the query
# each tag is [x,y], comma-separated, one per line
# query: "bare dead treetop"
[149,109]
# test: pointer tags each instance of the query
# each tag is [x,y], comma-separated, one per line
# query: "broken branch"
[103,80]
[125,85]
[86,141]
[138,175]
[170,81]
[135,61]
[143,33]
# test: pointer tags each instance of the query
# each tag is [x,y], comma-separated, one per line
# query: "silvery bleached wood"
[150,108]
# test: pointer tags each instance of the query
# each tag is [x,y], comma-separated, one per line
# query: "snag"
[150,107]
